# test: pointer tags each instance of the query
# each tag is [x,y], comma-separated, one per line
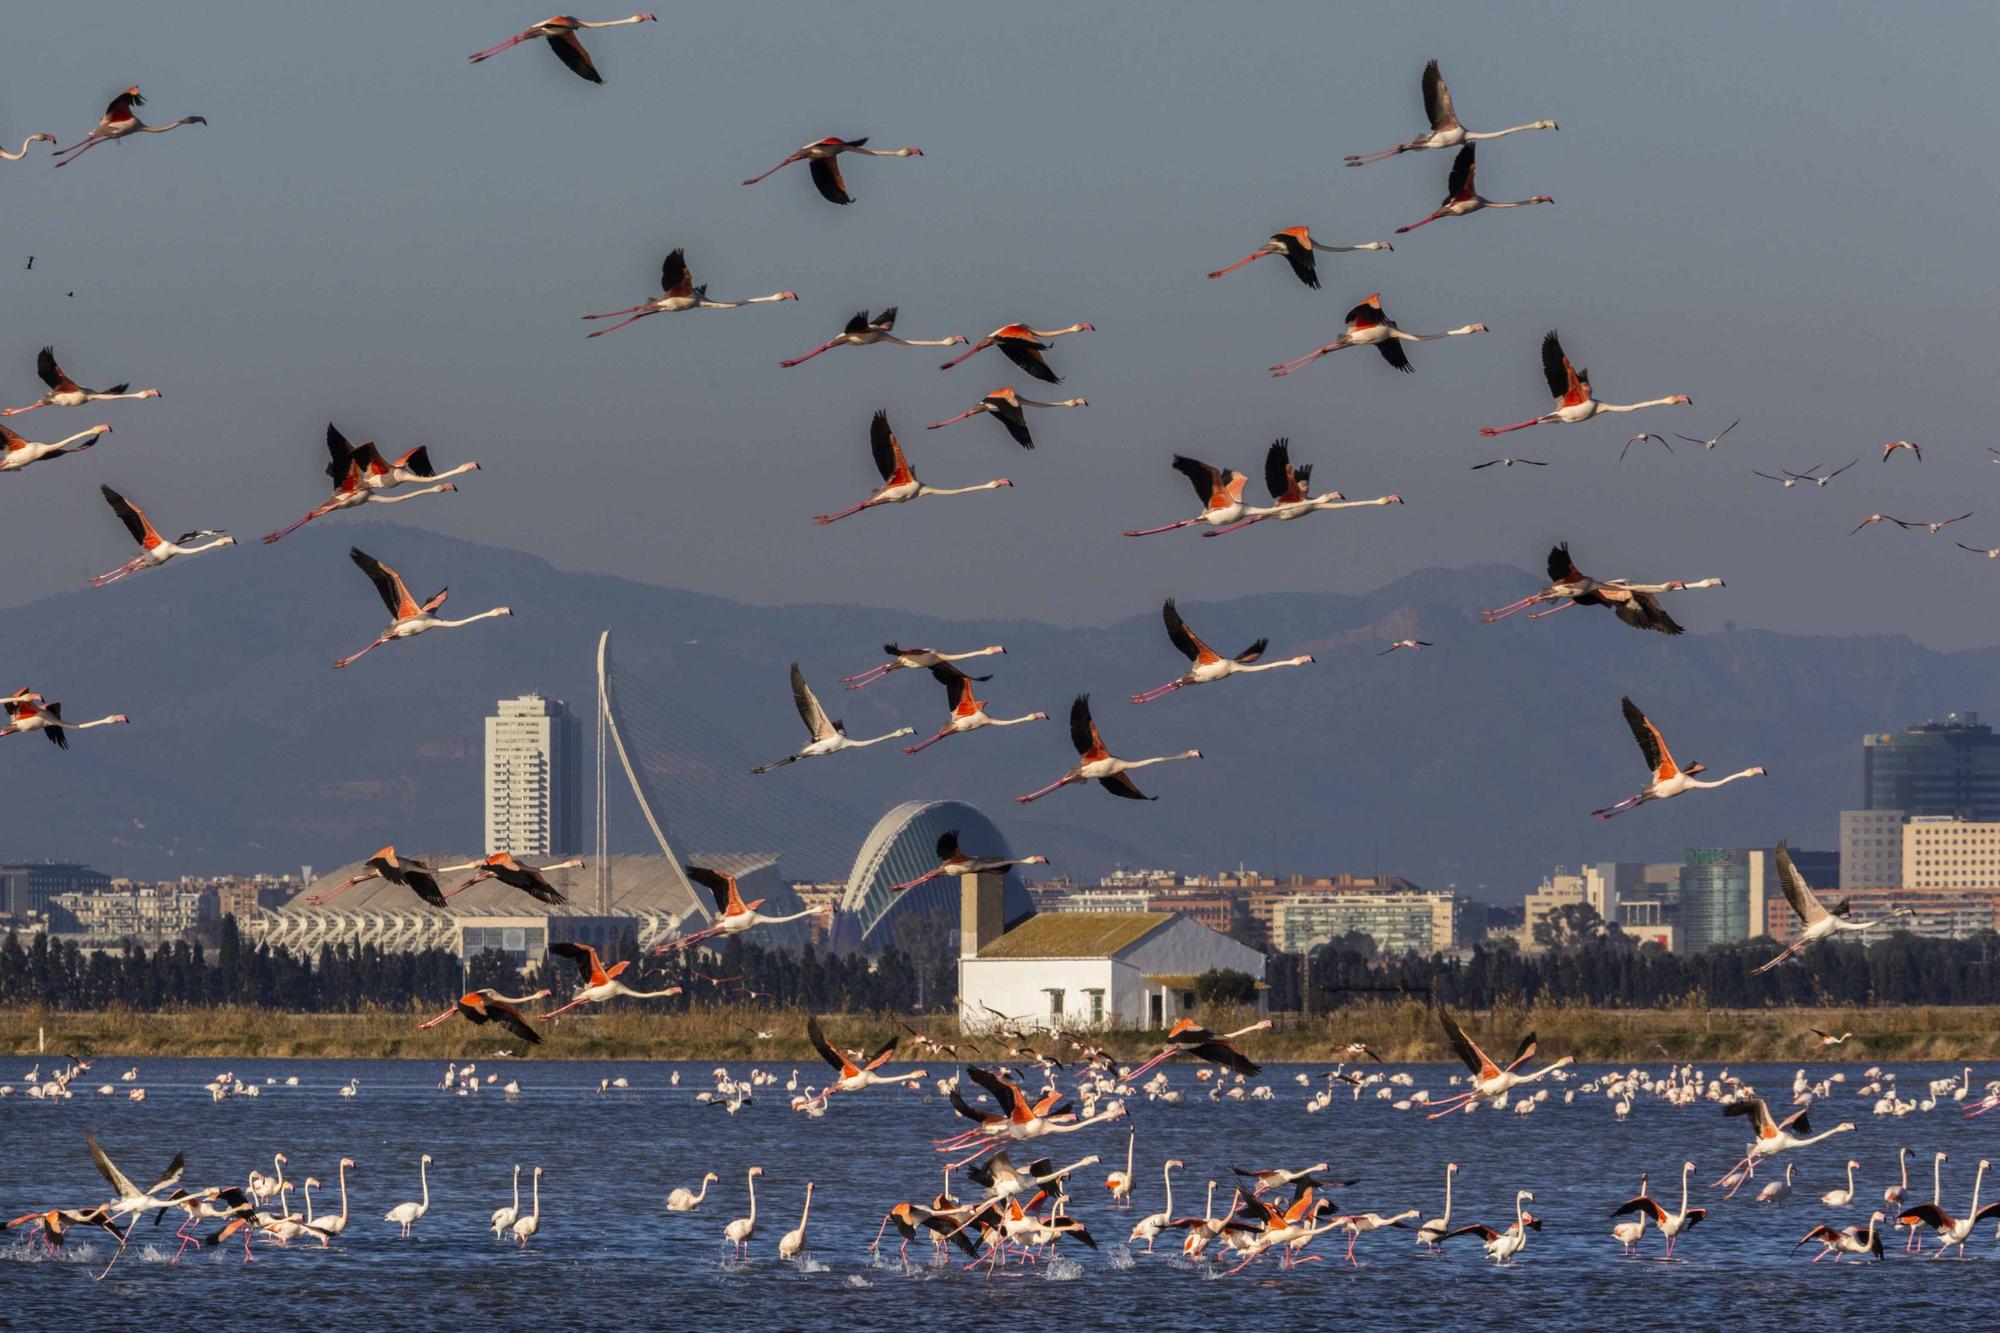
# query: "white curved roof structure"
[902,846]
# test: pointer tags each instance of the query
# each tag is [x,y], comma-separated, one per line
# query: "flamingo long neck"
[806,1211]
[644,994]
[278,1165]
[536,1187]
[616,23]
[875,740]
[1245,667]
[1507,203]
[1827,1134]
[1937,1178]
[1687,1170]
[1634,407]
[206,546]
[779,920]
[753,1200]
[1724,781]
[1850,1178]
[1208,1209]
[1447,1197]
[80,435]
[343,1193]
[483,615]
[26,144]
[702,1193]
[993,485]
[309,1202]
[1057,333]
[1127,765]
[1521,1217]
[1131,1146]
[1501,134]
[424,1178]
[1977,1179]
[1903,1160]
[1013,721]
[517,1190]
[1167,1174]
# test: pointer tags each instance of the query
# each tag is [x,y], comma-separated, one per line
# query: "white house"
[1084,969]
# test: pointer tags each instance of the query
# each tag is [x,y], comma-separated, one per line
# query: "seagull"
[1934,528]
[1791,479]
[1990,552]
[1509,462]
[1880,518]
[1710,443]
[1403,643]
[1641,438]
[1820,481]
[1893,445]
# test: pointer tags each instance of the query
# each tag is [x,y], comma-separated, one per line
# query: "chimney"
[979,898]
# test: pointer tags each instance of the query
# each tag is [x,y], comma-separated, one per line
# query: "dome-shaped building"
[902,846]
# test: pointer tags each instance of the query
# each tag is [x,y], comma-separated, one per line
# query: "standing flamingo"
[27,713]
[504,1217]
[561,33]
[1817,922]
[1291,494]
[154,550]
[828,736]
[685,1200]
[118,122]
[953,861]
[793,1242]
[526,1227]
[407,1214]
[411,617]
[822,156]
[66,392]
[515,875]
[1669,778]
[1571,390]
[1219,489]
[1023,346]
[26,144]
[19,452]
[1445,131]
[916,659]
[1367,326]
[1205,665]
[679,293]
[1671,1225]
[1096,763]
[1433,1230]
[1297,245]
[967,712]
[1462,197]
[899,480]
[1006,406]
[733,916]
[742,1229]
[861,331]
[599,983]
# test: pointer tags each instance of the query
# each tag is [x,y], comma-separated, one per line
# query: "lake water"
[608,1250]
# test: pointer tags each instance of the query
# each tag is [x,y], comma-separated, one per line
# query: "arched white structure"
[902,846]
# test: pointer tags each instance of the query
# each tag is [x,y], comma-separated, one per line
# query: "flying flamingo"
[850,1077]
[1445,131]
[680,293]
[899,481]
[1023,346]
[1489,1079]
[378,475]
[488,1006]
[916,659]
[1671,1225]
[1893,445]
[1669,778]
[1816,920]
[1095,763]
[1401,644]
[1641,438]
[1205,665]
[27,713]
[822,156]
[1817,481]
[1773,1136]
[1990,552]
[20,452]
[504,867]
[967,712]
[733,916]
[66,392]
[1291,494]
[351,485]
[600,983]
[1297,245]
[1367,326]
[828,736]
[1838,1241]
[561,33]
[1187,1037]
[1708,443]
[132,1201]
[861,331]
[1572,392]
[404,872]
[1220,491]
[120,121]
[154,550]
[953,861]
[411,617]
[406,1215]
[30,142]
[1633,603]
[1462,195]
[1006,406]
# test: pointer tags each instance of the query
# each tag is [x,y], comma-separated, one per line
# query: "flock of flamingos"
[1023,1211]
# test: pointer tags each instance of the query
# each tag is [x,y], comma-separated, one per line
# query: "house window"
[1159,1008]
[1096,1005]
[1187,1000]
[1055,1004]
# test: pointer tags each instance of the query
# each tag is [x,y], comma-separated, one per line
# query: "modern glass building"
[1935,768]
[1722,896]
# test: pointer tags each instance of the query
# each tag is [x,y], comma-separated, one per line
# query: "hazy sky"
[1782,210]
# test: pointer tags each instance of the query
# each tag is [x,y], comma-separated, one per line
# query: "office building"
[533,778]
[1935,768]
[1871,849]
[1940,852]
[1722,896]
[1400,923]
[32,887]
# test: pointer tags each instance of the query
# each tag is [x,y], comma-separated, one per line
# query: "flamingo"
[1187,1037]
[1367,326]
[55,1224]
[1489,1079]
[793,1242]
[1445,131]
[598,982]
[1297,245]
[685,1200]
[1220,491]
[154,550]
[378,475]
[1773,1136]
[1020,1120]
[263,1187]
[1005,406]
[561,33]
[120,121]
[1357,1225]
[411,617]
[25,714]
[1711,441]
[1023,345]
[1629,1234]
[742,1229]
[679,293]
[915,659]
[822,156]
[1502,1246]
[1900,1192]
[850,1077]
[1990,552]
[1934,528]
[1777,1191]
[1817,922]
[212,1204]
[1671,1224]
[66,392]
[1096,763]
[329,1226]
[1275,1227]
[1913,1241]
[1510,462]
[1840,1198]
[1641,438]
[131,1201]
[953,861]
[861,331]
[526,1227]
[967,712]
[487,1006]
[503,1218]
[1120,1183]
[1818,481]
[1462,197]
[1572,392]
[26,144]
[733,915]
[407,1214]
[504,867]
[1838,1241]
[1790,479]
[1205,665]
[1432,1231]
[1148,1228]
[1950,1230]
[1636,604]
[828,735]
[1893,445]
[899,480]
[1669,778]
[352,486]
[20,452]
[404,872]
[1291,492]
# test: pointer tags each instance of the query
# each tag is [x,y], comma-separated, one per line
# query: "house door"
[1159,1010]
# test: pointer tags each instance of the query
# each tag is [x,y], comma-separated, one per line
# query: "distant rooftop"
[1076,934]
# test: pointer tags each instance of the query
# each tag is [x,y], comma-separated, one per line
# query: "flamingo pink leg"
[975,349]
[1241,523]
[1502,612]
[106,580]
[492,51]
[1414,225]
[1284,368]
[801,360]
[1147,532]
[1564,605]
[825,519]
[1380,155]
[476,879]
[924,745]
[953,421]
[913,883]
[1057,785]
[565,1008]
[780,167]
[1239,264]
[1160,693]
[79,150]
[620,324]
[425,1027]
[311,514]
[1519,425]
[349,661]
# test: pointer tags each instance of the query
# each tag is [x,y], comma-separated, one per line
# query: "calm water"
[607,1242]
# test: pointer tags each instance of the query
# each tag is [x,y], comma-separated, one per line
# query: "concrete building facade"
[532,786]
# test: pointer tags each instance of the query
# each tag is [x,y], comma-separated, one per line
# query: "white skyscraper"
[533,763]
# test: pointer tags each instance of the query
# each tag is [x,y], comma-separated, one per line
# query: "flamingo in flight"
[120,121]
[1023,346]
[828,735]
[1817,921]
[1187,1037]
[1634,603]
[916,659]
[487,1005]
[1297,245]
[1096,763]
[1893,445]
[1642,437]
[1670,779]
[66,392]
[1006,406]
[1572,392]
[953,861]
[349,467]
[1401,644]
[733,915]
[1205,665]
[29,712]
[1367,326]
[1711,441]
[1291,494]
[862,331]
[405,872]
[504,867]
[411,617]
[28,143]
[848,1076]
[600,983]
[19,452]
[1445,131]
[1773,1136]
[1462,195]
[561,33]
[967,712]
[822,156]
[154,550]
[679,293]
[1489,1079]
[1839,1241]
[1219,489]
[1507,462]
[378,475]
[899,481]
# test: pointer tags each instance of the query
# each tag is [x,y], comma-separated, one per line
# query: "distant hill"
[1471,763]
